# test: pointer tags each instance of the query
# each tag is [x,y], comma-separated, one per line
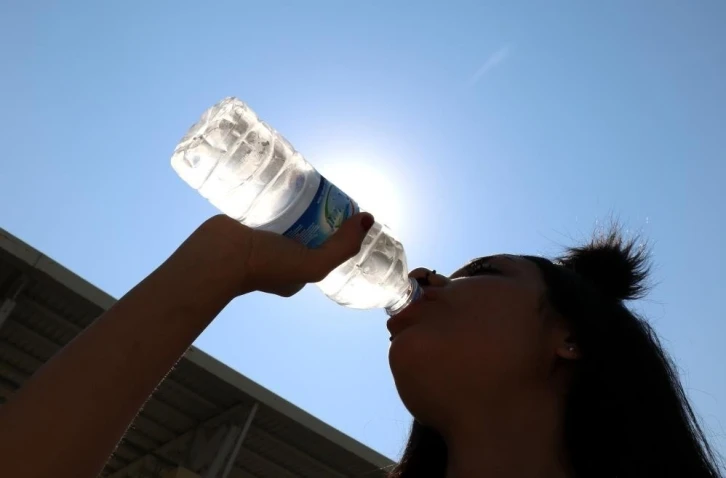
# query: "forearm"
[76,408]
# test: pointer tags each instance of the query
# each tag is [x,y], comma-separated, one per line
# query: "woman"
[514,366]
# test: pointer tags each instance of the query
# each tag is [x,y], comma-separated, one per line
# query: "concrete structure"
[205,419]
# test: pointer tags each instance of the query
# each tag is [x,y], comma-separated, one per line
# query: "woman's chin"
[412,352]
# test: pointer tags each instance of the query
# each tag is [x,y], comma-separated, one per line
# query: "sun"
[374,189]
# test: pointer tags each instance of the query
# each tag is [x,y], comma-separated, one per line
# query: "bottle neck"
[413,293]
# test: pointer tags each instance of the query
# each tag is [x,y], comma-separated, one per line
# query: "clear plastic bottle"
[251,173]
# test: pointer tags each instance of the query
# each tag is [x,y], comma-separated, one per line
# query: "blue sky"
[494,126]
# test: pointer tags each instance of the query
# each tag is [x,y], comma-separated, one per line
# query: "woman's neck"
[520,440]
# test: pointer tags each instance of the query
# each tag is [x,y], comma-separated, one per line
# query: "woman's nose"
[427,277]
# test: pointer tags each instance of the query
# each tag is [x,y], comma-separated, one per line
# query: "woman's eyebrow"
[479,260]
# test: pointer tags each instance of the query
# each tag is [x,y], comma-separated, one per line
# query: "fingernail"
[367,222]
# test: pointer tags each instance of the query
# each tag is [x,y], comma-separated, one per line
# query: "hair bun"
[617,267]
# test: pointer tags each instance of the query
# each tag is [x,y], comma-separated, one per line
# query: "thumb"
[344,244]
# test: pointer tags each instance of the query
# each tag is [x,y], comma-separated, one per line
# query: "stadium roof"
[204,416]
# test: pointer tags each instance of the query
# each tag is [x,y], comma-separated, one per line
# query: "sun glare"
[373,189]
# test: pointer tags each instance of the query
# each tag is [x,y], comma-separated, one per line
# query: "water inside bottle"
[251,173]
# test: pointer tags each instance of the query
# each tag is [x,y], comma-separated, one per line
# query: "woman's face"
[478,338]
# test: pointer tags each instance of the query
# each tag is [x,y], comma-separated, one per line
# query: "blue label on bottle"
[328,210]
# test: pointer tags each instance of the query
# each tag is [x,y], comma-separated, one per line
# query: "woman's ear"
[564,342]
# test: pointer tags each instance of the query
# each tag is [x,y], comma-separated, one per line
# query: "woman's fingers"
[341,246]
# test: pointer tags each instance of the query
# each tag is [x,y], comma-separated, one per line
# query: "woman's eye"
[482,269]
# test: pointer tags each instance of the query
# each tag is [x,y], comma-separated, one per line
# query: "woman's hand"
[235,259]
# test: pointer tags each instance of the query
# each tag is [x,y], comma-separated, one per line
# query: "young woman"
[514,366]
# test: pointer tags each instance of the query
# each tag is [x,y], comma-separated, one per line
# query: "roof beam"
[225,451]
[8,302]
[228,416]
[58,320]
[240,440]
[6,308]
[249,459]
[227,458]
[18,355]
[290,450]
[41,344]
[285,408]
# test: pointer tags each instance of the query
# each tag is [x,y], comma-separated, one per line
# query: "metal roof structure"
[204,417]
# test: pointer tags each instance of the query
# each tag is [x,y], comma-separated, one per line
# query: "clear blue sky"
[496,127]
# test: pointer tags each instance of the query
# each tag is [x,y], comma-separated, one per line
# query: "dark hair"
[627,414]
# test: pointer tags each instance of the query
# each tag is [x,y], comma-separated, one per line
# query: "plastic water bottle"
[251,173]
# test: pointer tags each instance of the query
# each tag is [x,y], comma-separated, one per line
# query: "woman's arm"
[77,407]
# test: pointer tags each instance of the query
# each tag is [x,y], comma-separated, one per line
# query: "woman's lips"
[404,319]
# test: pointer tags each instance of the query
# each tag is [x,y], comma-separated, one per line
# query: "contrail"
[493,61]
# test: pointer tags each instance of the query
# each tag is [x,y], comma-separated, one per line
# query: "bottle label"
[329,208]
